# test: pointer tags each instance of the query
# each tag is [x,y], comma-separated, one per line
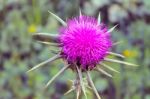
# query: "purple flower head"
[84,41]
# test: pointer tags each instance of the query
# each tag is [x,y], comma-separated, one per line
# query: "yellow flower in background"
[32,28]
[129,53]
[84,61]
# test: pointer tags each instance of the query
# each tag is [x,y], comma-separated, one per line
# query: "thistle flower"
[84,42]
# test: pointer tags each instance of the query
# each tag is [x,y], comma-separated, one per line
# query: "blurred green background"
[19,19]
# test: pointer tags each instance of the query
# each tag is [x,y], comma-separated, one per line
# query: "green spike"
[116,43]
[50,44]
[54,77]
[118,61]
[109,67]
[69,91]
[78,93]
[45,62]
[89,87]
[81,82]
[80,12]
[99,18]
[58,18]
[92,85]
[110,30]
[46,37]
[116,54]
[104,72]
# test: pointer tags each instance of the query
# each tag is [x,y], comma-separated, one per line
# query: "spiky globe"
[84,41]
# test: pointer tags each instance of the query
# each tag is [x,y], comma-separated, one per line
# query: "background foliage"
[19,19]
